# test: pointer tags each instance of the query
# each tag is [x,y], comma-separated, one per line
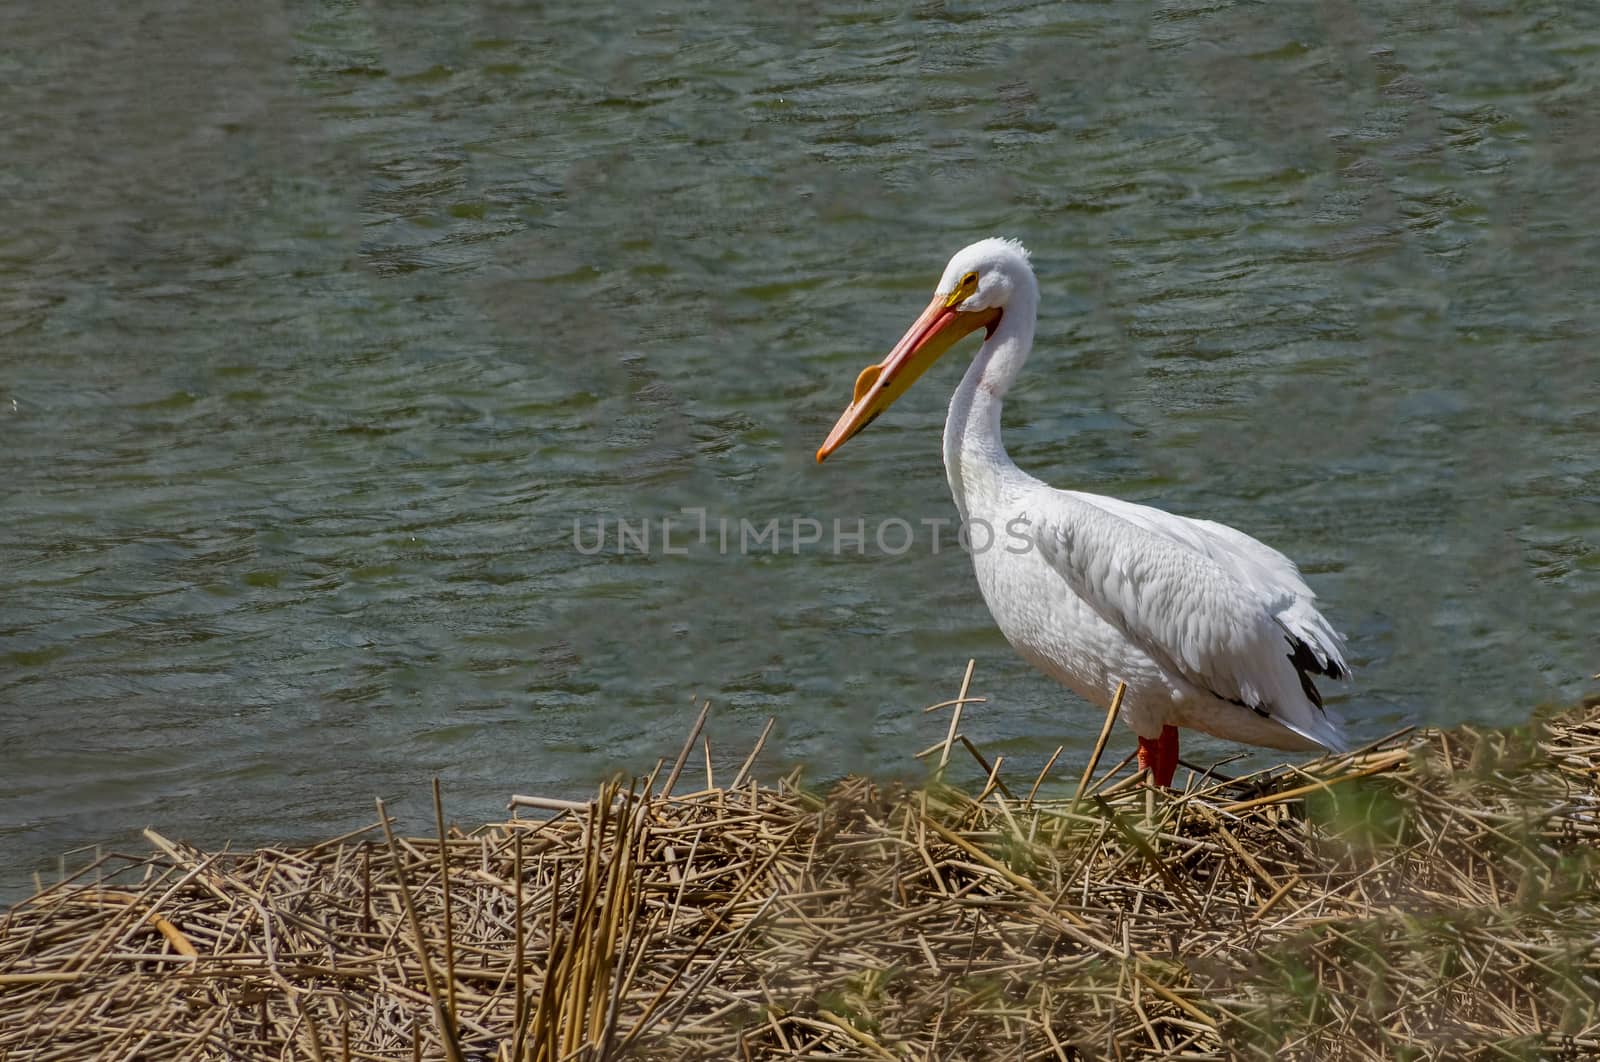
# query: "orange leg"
[1160,756]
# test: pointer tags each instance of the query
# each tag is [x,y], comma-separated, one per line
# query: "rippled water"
[321,328]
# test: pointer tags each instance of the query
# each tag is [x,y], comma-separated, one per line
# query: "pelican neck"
[980,472]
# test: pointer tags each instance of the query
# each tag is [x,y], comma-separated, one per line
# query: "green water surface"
[323,324]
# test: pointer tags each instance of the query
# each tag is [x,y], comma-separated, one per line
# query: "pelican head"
[973,293]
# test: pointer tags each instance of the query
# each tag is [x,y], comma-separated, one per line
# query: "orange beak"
[878,386]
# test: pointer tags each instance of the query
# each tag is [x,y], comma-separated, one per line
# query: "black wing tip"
[1306,664]
[1305,660]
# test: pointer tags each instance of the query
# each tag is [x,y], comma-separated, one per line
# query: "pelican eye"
[967,286]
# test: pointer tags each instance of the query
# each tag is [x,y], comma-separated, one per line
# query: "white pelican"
[1208,628]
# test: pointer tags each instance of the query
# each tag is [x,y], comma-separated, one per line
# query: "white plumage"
[1209,628]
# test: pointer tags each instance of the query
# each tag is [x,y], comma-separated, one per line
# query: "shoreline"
[1436,893]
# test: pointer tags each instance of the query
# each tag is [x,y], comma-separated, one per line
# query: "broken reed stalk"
[1100,742]
[1356,908]
[955,715]
[519,961]
[683,755]
[749,761]
[444,1021]
[1044,772]
[444,888]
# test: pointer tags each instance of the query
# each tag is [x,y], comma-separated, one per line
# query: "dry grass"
[1433,900]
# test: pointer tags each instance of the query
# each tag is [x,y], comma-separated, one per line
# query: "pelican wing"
[1231,615]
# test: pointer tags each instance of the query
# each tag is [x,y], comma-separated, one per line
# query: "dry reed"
[1435,899]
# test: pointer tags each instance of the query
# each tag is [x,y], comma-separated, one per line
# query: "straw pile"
[1431,900]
